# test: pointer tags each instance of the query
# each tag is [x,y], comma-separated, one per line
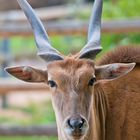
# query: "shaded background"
[25,108]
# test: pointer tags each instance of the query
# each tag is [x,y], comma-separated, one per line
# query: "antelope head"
[71,78]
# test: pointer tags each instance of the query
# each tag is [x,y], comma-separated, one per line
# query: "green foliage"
[22,45]
[72,44]
[35,114]
[121,9]
[68,44]
[113,10]
[65,44]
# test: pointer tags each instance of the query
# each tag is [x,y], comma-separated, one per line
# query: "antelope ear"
[112,71]
[28,74]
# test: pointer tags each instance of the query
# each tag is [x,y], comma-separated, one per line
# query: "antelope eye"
[52,83]
[92,81]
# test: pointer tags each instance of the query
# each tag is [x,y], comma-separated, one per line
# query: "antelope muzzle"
[76,127]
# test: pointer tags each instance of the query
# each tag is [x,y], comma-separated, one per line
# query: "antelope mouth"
[76,134]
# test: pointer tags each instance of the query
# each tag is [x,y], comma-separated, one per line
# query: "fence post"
[7,58]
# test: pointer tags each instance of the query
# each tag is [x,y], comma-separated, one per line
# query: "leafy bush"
[121,9]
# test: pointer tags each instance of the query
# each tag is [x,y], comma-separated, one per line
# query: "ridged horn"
[45,50]
[93,46]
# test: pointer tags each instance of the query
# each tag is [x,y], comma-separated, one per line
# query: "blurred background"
[25,109]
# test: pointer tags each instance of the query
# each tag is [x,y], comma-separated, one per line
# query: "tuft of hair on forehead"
[71,63]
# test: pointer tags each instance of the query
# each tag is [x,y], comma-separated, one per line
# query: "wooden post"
[7,55]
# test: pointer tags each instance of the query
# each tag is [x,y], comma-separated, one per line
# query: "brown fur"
[123,96]
[125,54]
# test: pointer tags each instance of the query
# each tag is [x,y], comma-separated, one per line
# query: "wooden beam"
[70,27]
[49,130]
[8,85]
[47,13]
[14,23]
[34,3]
[121,26]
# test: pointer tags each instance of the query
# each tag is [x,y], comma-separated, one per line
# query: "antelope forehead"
[74,76]
[71,68]
[71,63]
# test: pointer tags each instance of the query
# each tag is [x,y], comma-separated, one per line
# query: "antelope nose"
[76,123]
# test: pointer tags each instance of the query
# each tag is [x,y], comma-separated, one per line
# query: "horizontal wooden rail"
[15,23]
[50,130]
[8,85]
[48,13]
[70,27]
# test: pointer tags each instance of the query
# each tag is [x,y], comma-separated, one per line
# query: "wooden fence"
[70,27]
[14,23]
[8,85]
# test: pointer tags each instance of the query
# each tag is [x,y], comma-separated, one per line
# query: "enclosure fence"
[14,23]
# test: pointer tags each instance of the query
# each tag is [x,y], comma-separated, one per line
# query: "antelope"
[91,100]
